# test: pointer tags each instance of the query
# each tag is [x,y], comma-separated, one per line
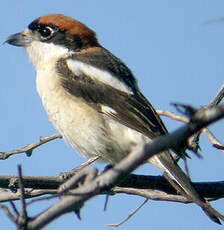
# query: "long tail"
[165,162]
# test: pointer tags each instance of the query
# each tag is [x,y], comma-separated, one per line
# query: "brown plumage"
[71,26]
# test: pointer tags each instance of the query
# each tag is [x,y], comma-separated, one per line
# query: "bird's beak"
[19,39]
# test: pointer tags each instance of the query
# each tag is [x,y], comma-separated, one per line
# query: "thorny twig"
[210,136]
[214,102]
[80,199]
[145,184]
[23,218]
[112,176]
[8,213]
[219,96]
[212,139]
[129,215]
[29,148]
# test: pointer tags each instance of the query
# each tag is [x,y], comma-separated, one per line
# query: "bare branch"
[73,200]
[144,184]
[29,193]
[29,148]
[23,217]
[139,155]
[34,182]
[152,194]
[14,208]
[86,176]
[172,116]
[106,202]
[8,213]
[213,140]
[219,96]
[129,215]
[67,175]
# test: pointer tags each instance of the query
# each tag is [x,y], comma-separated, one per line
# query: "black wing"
[132,110]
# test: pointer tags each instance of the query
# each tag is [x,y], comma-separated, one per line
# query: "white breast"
[80,125]
[89,132]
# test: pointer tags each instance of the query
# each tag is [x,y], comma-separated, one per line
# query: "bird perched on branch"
[92,97]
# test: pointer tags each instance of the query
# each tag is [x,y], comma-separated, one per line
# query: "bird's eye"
[46,32]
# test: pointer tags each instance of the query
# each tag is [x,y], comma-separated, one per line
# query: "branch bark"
[104,182]
[28,149]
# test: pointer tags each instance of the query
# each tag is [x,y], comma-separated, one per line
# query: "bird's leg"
[66,175]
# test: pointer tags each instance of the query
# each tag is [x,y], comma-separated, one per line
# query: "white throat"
[41,53]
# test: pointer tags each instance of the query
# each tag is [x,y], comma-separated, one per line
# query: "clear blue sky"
[175,57]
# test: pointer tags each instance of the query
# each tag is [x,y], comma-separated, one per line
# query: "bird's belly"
[89,132]
[79,124]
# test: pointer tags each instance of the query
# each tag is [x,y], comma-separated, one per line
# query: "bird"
[92,98]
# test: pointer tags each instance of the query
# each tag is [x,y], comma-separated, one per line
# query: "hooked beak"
[19,39]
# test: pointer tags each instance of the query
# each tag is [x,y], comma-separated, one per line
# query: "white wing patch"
[107,110]
[78,68]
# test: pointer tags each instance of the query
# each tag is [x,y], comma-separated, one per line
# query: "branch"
[22,220]
[172,115]
[106,180]
[38,186]
[28,149]
[129,215]
[218,97]
[210,136]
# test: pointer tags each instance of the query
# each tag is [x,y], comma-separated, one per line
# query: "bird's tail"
[165,162]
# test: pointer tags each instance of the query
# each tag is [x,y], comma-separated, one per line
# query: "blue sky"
[175,56]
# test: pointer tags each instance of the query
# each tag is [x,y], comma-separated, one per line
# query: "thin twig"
[85,176]
[11,196]
[218,97]
[14,208]
[214,102]
[48,185]
[213,140]
[154,195]
[22,198]
[66,175]
[129,215]
[43,199]
[220,147]
[29,148]
[118,172]
[106,202]
[8,213]
[210,136]
[172,116]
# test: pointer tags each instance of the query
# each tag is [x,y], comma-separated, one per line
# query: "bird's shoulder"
[104,81]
